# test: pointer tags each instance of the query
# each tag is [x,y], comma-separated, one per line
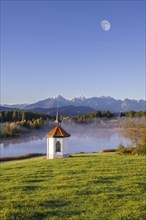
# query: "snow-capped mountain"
[98,103]
[78,101]
[58,101]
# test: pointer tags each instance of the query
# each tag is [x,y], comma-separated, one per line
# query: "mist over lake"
[91,137]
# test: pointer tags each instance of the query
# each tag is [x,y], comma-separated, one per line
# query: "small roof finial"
[58,121]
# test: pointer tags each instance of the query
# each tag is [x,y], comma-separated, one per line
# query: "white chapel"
[57,141]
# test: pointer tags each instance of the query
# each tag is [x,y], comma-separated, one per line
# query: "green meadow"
[86,186]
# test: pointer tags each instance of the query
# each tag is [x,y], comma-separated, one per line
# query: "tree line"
[15,122]
[90,116]
[20,115]
[107,114]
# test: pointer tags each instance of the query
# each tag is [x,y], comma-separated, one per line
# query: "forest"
[16,122]
[107,114]
[20,115]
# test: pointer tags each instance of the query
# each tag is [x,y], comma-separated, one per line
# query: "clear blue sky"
[58,47]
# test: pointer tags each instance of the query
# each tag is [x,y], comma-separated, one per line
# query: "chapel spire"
[58,120]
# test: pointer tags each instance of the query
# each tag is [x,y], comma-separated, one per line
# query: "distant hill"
[4,108]
[15,106]
[97,103]
[65,110]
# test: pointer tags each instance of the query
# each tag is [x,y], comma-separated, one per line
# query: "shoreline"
[22,157]
[27,156]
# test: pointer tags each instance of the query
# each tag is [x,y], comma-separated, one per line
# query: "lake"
[93,137]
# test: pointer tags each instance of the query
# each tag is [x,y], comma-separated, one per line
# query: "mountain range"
[90,104]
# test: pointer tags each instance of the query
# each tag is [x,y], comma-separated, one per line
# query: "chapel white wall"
[51,147]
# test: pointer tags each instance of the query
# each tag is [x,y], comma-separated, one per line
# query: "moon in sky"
[105,24]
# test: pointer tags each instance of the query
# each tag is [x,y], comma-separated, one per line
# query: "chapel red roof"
[58,132]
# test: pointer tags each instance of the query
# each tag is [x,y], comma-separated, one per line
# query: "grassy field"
[96,186]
